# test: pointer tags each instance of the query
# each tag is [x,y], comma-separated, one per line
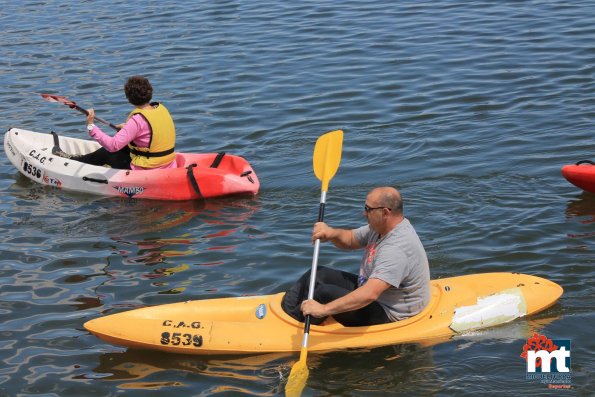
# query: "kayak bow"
[581,174]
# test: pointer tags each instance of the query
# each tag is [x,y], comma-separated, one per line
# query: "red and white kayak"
[197,176]
[581,174]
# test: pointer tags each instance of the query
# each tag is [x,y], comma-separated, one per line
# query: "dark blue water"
[469,108]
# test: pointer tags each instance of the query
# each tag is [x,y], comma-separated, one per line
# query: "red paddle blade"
[59,99]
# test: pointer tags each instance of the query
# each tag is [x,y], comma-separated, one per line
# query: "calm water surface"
[470,108]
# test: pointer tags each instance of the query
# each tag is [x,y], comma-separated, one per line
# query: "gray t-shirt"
[399,259]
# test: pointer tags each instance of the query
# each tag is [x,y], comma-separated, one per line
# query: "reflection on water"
[69,257]
[582,210]
[267,374]
[520,329]
[227,217]
[154,251]
[70,214]
[410,368]
[150,385]
[143,370]
[86,302]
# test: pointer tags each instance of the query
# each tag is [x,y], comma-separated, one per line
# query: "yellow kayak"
[257,324]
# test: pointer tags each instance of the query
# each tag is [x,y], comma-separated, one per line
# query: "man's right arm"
[341,238]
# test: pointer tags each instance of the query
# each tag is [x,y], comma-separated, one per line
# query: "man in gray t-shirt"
[398,258]
[394,277]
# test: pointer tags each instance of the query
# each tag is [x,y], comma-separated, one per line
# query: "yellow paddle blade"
[327,156]
[298,376]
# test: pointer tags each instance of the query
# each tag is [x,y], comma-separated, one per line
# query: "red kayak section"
[197,176]
[581,174]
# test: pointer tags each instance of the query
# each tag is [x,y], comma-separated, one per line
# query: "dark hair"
[138,90]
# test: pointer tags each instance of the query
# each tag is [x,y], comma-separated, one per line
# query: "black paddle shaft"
[321,212]
[320,219]
[86,112]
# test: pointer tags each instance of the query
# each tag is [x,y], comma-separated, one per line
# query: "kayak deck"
[257,324]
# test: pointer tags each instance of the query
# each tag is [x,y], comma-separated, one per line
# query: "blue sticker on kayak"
[261,311]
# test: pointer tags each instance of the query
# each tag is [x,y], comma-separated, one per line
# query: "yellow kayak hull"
[257,324]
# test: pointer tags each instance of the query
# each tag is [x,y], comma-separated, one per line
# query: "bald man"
[394,277]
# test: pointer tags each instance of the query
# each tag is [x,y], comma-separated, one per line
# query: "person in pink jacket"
[148,125]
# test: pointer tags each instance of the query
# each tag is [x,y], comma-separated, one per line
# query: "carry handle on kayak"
[192,179]
[91,179]
[217,160]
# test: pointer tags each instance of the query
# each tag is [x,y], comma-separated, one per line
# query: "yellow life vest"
[162,141]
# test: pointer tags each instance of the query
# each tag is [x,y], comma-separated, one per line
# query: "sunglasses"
[368,209]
